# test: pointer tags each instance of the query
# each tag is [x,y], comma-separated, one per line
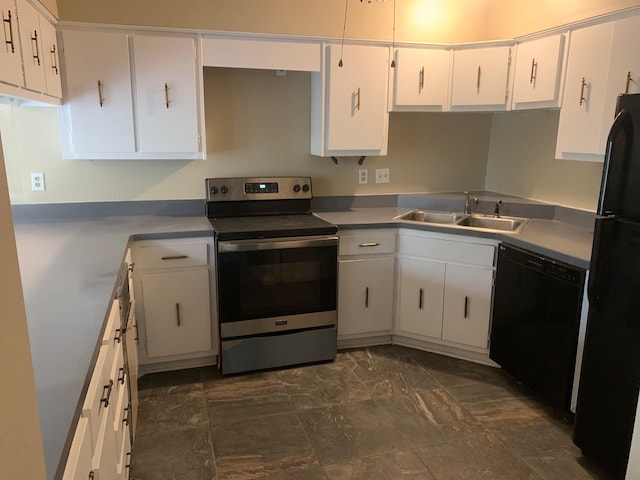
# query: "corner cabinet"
[603,64]
[481,78]
[538,72]
[172,283]
[445,288]
[349,103]
[420,79]
[366,270]
[131,96]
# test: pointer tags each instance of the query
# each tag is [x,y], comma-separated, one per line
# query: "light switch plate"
[382,175]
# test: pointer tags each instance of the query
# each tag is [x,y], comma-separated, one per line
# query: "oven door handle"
[276,243]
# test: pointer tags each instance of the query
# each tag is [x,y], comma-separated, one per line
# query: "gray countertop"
[559,240]
[69,269]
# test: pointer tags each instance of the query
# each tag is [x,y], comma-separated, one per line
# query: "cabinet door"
[537,73]
[356,117]
[79,459]
[421,297]
[166,94]
[365,296]
[10,59]
[624,69]
[131,355]
[50,59]
[480,77]
[177,313]
[99,92]
[583,126]
[467,305]
[421,78]
[32,47]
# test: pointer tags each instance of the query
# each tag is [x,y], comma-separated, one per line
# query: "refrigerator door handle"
[621,125]
[597,274]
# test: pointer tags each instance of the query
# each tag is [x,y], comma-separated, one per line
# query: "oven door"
[276,284]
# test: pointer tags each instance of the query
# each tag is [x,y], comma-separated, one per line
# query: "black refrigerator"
[610,375]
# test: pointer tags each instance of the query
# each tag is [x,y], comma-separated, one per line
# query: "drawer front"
[171,256]
[367,243]
[113,330]
[448,250]
[100,386]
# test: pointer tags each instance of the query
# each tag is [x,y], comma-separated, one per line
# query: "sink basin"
[493,223]
[460,220]
[428,216]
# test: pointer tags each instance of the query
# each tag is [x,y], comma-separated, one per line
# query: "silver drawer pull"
[175,257]
[369,244]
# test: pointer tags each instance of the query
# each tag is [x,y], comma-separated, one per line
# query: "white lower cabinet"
[467,305]
[177,316]
[445,285]
[421,294]
[366,273]
[172,285]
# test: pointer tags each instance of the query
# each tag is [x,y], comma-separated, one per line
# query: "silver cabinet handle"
[166,95]
[534,71]
[174,257]
[54,59]
[479,74]
[466,306]
[35,47]
[421,80]
[358,99]
[178,320]
[100,97]
[582,87]
[366,297]
[10,22]
[420,299]
[369,244]
[106,393]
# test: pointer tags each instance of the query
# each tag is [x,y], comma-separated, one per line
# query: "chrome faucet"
[467,203]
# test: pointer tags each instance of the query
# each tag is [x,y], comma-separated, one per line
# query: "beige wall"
[21,453]
[513,18]
[521,162]
[416,20]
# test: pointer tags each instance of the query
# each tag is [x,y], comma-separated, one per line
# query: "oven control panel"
[258,188]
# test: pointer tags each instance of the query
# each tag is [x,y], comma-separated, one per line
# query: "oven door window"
[272,283]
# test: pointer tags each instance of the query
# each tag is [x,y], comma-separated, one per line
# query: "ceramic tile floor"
[384,412]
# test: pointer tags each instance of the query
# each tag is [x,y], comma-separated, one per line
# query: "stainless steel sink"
[431,216]
[493,223]
[460,220]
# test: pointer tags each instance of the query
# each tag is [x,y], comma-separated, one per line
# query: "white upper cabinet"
[420,79]
[624,68]
[111,111]
[39,51]
[538,70]
[166,94]
[10,59]
[98,96]
[349,103]
[584,123]
[481,78]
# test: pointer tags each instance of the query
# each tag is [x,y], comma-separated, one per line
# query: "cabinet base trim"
[143,369]
[476,357]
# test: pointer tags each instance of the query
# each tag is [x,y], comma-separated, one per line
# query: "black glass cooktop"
[270,226]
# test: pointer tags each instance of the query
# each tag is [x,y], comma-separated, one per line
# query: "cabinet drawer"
[177,255]
[80,454]
[448,251]
[368,243]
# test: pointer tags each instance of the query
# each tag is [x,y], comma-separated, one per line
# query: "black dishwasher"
[536,315]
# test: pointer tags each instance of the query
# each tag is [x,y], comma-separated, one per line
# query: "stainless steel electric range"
[276,271]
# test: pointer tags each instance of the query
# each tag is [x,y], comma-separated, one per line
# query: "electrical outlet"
[37,182]
[382,175]
[363,176]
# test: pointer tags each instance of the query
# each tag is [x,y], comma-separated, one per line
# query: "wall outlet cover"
[37,182]
[363,176]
